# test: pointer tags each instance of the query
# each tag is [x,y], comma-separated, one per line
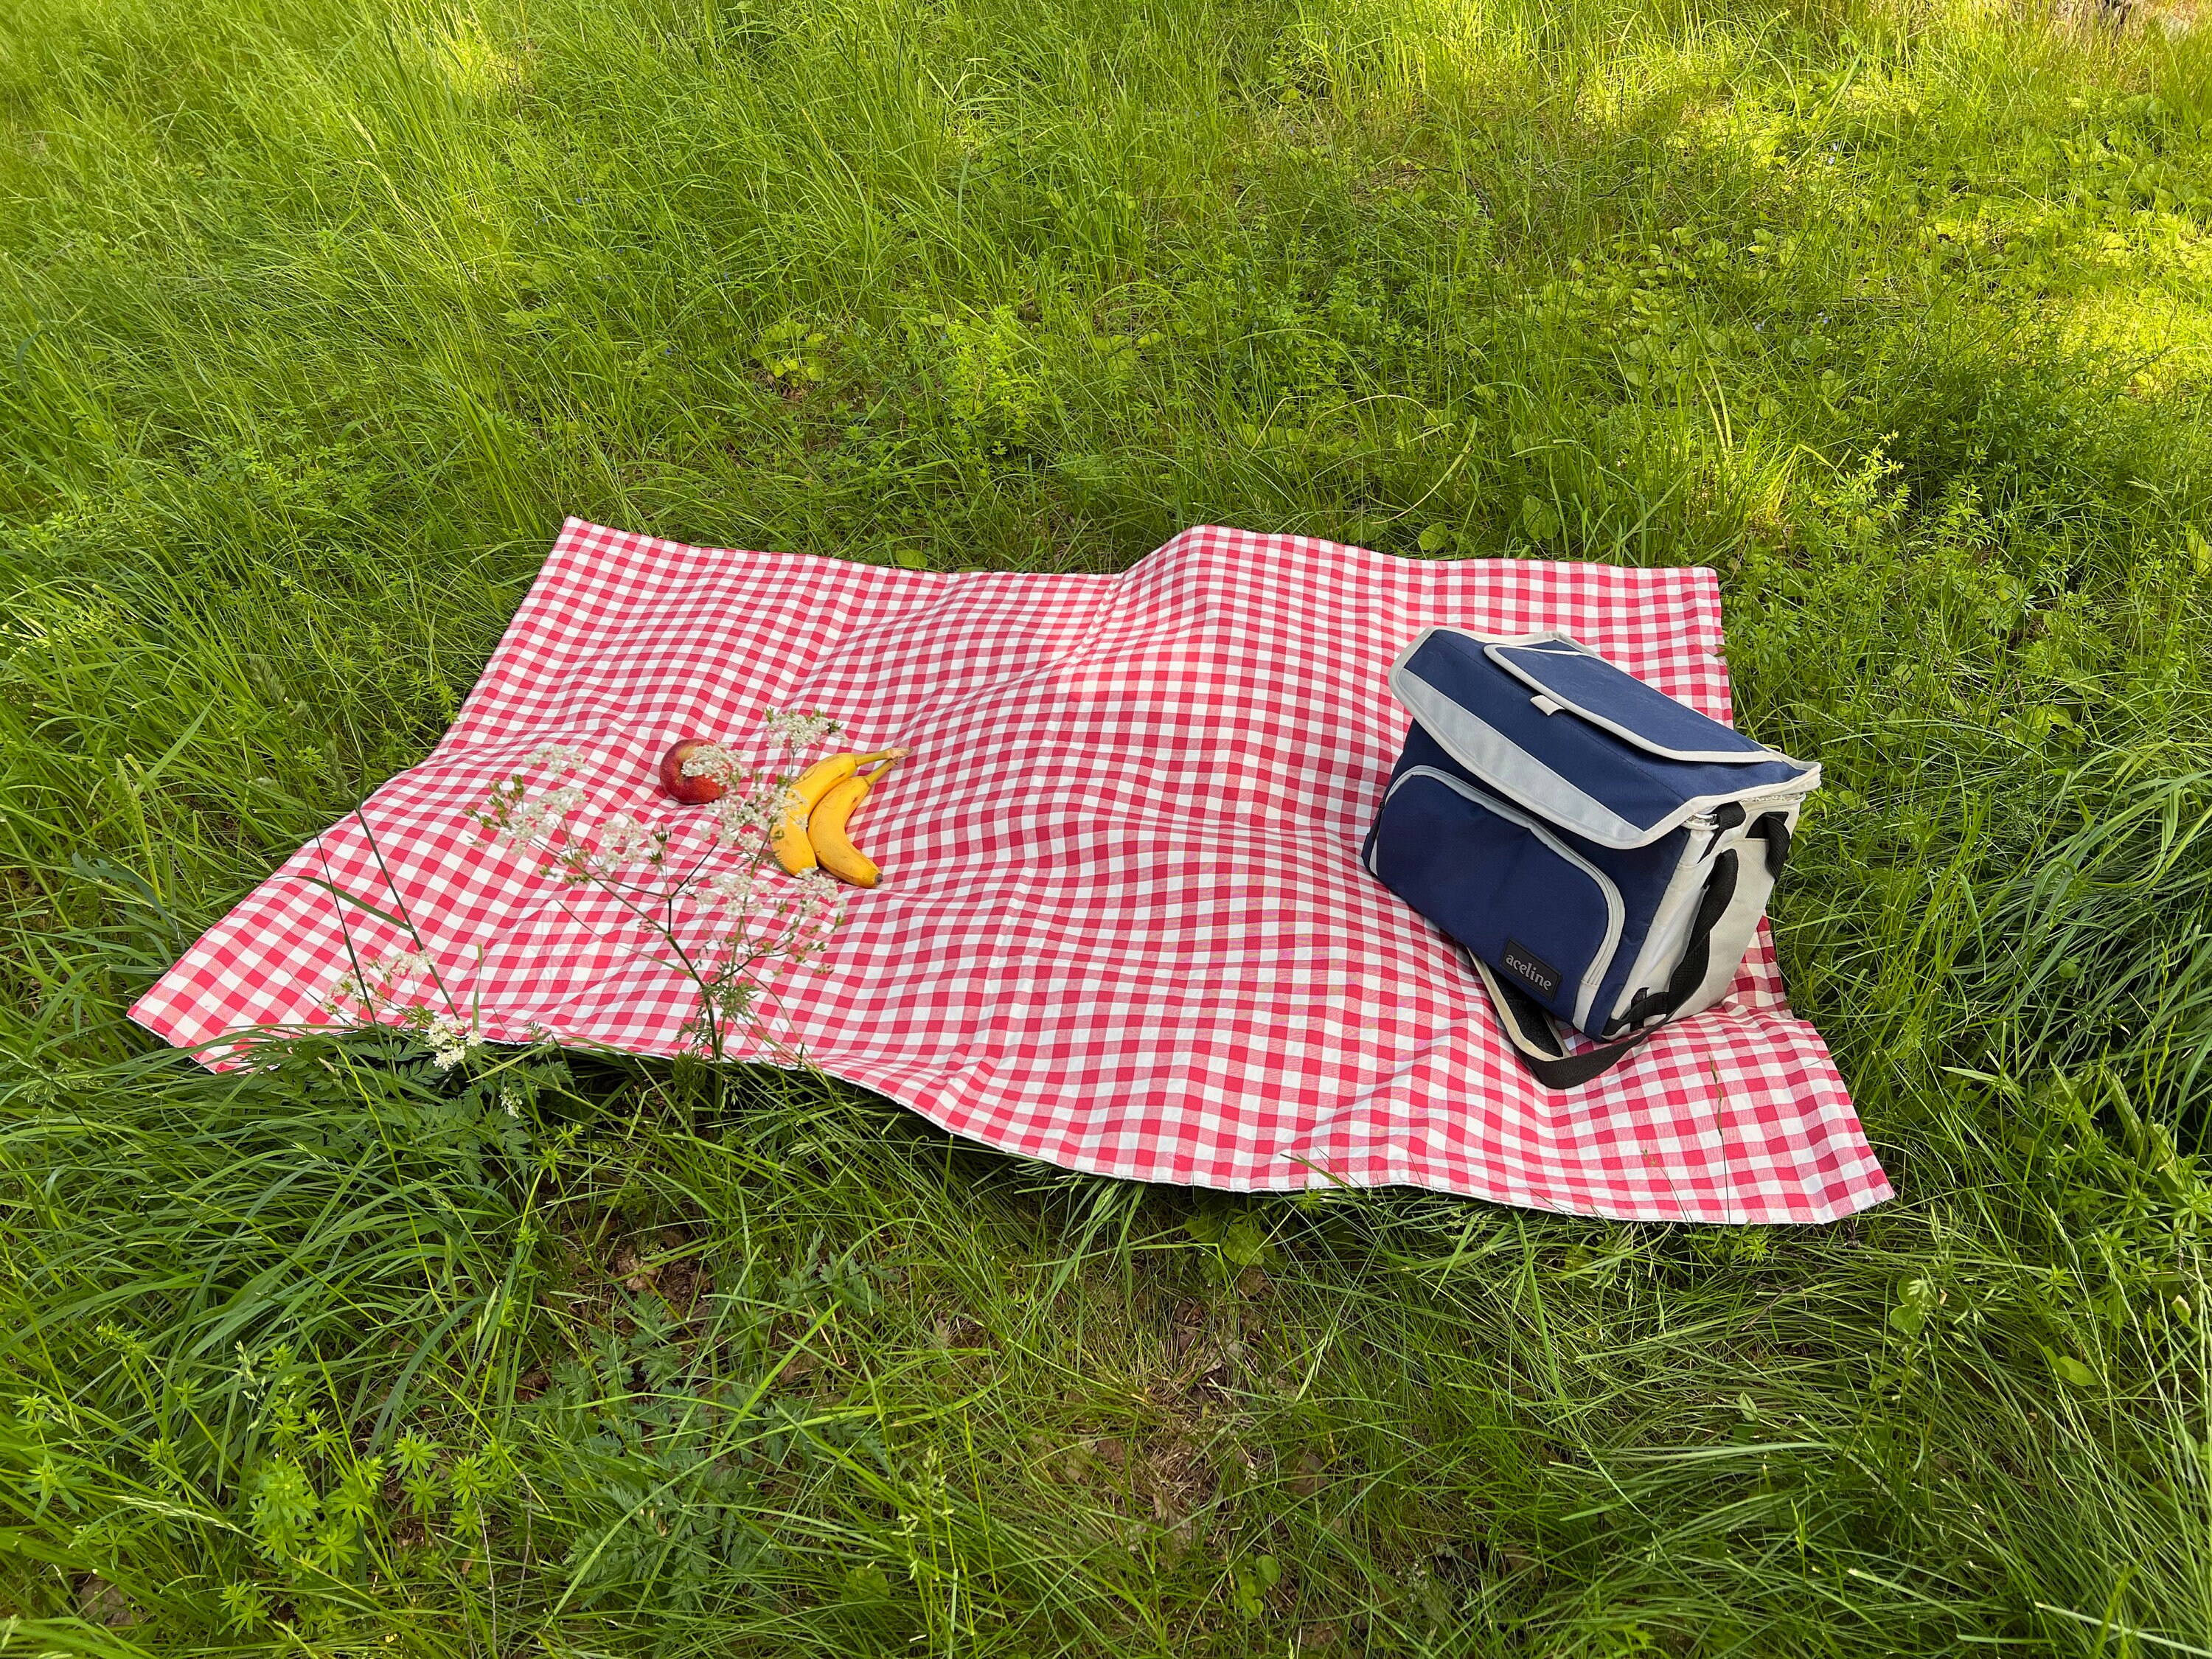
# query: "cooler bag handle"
[1536,1039]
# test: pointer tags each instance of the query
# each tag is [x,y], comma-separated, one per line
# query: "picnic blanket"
[1123,926]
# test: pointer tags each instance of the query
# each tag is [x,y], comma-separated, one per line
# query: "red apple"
[692,788]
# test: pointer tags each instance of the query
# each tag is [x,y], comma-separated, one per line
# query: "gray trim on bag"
[1651,970]
[1508,768]
[1733,931]
[1616,912]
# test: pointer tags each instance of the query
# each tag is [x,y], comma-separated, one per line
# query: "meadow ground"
[318,316]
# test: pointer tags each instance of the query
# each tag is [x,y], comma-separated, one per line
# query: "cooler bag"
[1602,852]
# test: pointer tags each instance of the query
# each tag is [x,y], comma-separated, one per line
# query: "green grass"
[317,318]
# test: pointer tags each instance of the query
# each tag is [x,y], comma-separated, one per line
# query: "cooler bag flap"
[1556,728]
[1585,685]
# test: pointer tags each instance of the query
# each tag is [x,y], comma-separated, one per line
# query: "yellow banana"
[794,850]
[833,845]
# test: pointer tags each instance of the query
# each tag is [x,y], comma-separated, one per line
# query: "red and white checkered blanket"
[1123,926]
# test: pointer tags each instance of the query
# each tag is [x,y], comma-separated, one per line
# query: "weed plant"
[318,316]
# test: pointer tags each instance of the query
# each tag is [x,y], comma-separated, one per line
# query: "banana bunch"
[811,831]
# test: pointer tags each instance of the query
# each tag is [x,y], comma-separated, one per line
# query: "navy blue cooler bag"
[1602,852]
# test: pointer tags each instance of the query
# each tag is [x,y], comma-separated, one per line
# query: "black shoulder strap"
[1532,1033]
[1536,1039]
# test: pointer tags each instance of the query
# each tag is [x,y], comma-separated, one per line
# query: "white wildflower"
[375,982]
[533,822]
[449,1038]
[404,968]
[741,817]
[796,731]
[816,909]
[819,893]
[712,761]
[623,839]
[760,928]
[732,889]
